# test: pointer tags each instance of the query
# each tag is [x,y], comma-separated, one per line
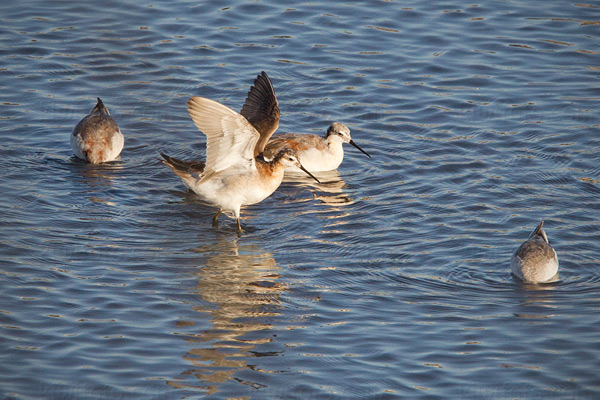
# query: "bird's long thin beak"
[355,145]
[309,174]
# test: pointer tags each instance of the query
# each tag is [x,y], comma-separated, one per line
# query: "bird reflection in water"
[241,291]
[330,190]
[536,301]
[98,177]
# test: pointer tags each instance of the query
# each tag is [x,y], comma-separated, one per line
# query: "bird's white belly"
[117,144]
[230,192]
[316,160]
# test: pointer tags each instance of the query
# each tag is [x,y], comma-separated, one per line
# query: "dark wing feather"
[261,110]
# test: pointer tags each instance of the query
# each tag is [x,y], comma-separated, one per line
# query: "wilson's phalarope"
[97,138]
[535,260]
[232,176]
[317,153]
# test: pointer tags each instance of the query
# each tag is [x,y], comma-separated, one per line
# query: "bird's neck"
[333,140]
[270,168]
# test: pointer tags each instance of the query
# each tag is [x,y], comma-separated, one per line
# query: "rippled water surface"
[390,280]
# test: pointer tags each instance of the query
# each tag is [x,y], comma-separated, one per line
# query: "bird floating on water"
[535,260]
[233,175]
[97,138]
[317,153]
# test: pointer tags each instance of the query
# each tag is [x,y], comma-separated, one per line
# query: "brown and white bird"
[318,153]
[233,176]
[97,138]
[535,260]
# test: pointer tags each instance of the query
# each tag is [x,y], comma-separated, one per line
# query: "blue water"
[391,280]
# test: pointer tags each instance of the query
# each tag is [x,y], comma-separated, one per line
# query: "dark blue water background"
[389,281]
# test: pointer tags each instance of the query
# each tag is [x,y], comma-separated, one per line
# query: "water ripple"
[391,279]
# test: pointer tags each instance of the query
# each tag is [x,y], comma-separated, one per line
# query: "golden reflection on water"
[330,191]
[240,287]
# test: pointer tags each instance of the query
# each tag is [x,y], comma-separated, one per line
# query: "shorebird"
[317,153]
[232,175]
[97,138]
[535,260]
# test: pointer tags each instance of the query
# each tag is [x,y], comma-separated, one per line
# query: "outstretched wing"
[230,137]
[261,110]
